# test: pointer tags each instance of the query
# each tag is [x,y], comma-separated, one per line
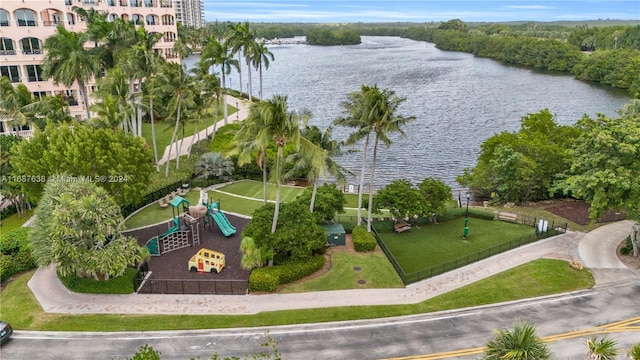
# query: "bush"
[628,247]
[348,226]
[268,278]
[460,212]
[15,253]
[363,240]
[263,280]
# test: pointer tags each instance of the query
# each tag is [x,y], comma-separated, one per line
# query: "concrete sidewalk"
[594,249]
[184,146]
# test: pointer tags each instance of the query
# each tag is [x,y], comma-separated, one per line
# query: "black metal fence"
[466,260]
[188,286]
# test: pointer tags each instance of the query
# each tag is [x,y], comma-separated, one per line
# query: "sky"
[337,11]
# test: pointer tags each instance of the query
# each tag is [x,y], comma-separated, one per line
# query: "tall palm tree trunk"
[173,139]
[215,119]
[278,173]
[153,131]
[264,176]
[312,204]
[224,100]
[260,81]
[361,186]
[82,88]
[240,72]
[250,90]
[373,170]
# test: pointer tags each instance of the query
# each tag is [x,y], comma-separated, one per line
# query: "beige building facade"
[24,26]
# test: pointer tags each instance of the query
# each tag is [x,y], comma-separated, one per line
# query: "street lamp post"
[466,220]
[237,111]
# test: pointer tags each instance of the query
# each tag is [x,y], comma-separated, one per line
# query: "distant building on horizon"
[189,12]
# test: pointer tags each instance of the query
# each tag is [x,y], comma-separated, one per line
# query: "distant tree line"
[333,36]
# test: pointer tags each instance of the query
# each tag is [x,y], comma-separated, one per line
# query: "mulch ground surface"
[578,211]
[174,265]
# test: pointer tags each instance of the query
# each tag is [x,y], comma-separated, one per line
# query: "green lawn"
[253,189]
[536,278]
[153,213]
[433,244]
[164,130]
[14,221]
[352,271]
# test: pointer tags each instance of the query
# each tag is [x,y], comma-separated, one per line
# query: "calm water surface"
[458,100]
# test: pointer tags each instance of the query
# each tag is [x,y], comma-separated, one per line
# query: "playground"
[193,227]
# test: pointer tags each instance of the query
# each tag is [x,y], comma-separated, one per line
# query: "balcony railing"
[68,2]
[166,4]
[4,23]
[21,133]
[33,78]
[148,3]
[32,51]
[71,100]
[51,23]
[27,23]
[152,22]
[7,52]
[167,23]
[135,3]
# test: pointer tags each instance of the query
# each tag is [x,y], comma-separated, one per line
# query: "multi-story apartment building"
[24,26]
[189,12]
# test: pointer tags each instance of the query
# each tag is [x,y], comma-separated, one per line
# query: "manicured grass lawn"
[235,204]
[164,130]
[373,270]
[433,244]
[536,278]
[153,213]
[119,285]
[14,221]
[253,189]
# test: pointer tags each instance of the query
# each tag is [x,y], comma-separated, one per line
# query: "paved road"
[368,339]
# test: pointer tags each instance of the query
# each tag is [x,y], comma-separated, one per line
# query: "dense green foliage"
[329,201]
[15,252]
[297,237]
[77,228]
[605,167]
[362,240]
[118,163]
[614,62]
[268,278]
[522,166]
[333,36]
[521,343]
[404,200]
[122,284]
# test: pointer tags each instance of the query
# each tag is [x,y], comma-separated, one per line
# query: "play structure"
[215,214]
[179,234]
[206,260]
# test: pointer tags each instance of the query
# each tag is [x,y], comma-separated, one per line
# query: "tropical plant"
[521,343]
[634,352]
[216,53]
[68,61]
[78,229]
[241,40]
[260,58]
[13,101]
[114,90]
[213,164]
[373,110]
[603,348]
[251,257]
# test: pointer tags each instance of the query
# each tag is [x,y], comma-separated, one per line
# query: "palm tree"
[520,344]
[331,149]
[251,257]
[260,57]
[283,127]
[602,348]
[67,61]
[108,113]
[116,84]
[634,352]
[242,41]
[213,164]
[216,53]
[210,86]
[49,108]
[372,110]
[13,101]
[177,82]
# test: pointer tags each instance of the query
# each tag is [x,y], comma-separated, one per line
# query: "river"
[459,100]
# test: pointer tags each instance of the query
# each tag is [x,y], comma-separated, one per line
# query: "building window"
[68,2]
[137,19]
[135,3]
[151,20]
[4,17]
[6,47]
[39,95]
[167,20]
[165,3]
[34,72]
[89,2]
[26,17]
[149,3]
[111,2]
[31,46]
[10,72]
[123,2]
[169,37]
[113,17]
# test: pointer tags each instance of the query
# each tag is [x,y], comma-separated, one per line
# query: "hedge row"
[458,212]
[268,278]
[363,240]
[15,253]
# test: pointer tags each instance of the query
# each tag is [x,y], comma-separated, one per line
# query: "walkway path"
[592,248]
[240,115]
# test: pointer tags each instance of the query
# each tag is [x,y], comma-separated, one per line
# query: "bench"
[400,227]
[505,216]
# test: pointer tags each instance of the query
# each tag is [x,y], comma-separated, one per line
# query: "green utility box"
[335,234]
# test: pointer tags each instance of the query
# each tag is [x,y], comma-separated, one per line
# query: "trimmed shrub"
[628,247]
[348,226]
[268,278]
[263,280]
[15,253]
[362,240]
